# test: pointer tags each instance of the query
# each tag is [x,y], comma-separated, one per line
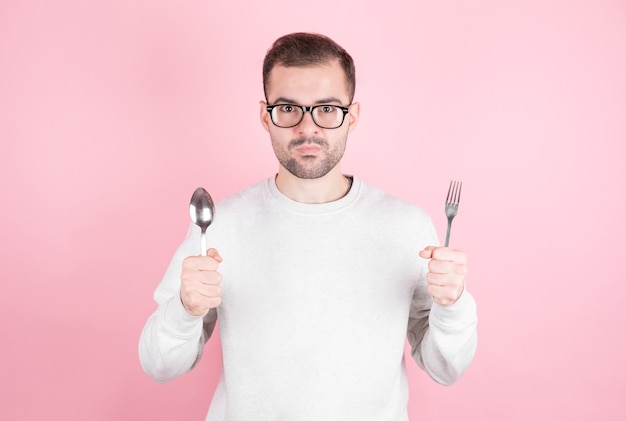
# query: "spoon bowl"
[202,211]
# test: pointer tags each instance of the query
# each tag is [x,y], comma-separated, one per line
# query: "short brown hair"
[302,49]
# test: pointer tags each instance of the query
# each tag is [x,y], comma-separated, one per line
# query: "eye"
[286,108]
[327,109]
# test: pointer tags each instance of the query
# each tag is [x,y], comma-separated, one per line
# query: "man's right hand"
[200,281]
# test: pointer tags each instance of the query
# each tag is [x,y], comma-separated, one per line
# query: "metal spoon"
[202,210]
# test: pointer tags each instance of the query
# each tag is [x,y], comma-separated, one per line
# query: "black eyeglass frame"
[309,109]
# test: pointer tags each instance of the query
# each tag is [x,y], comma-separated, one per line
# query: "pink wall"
[112,112]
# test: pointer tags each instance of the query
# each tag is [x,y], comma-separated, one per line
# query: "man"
[316,277]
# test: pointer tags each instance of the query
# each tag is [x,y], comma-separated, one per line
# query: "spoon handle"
[203,242]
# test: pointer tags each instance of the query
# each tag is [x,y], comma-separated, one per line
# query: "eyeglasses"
[290,115]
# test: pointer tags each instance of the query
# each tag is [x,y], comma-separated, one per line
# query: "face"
[307,150]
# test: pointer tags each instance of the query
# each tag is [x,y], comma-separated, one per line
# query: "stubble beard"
[310,167]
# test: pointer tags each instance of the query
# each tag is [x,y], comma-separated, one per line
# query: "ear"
[353,115]
[265,116]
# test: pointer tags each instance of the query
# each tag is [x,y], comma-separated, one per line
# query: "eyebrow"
[327,100]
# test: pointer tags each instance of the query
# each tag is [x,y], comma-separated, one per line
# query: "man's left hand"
[446,273]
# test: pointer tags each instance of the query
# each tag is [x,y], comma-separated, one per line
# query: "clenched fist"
[200,281]
[446,273]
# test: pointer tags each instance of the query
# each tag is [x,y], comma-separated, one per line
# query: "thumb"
[427,253]
[214,254]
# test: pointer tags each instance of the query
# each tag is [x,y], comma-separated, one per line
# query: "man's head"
[308,111]
[302,49]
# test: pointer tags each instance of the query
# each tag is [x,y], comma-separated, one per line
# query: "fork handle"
[448,233]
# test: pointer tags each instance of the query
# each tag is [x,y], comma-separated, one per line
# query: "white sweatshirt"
[317,303]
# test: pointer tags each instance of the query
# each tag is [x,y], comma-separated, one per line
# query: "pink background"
[112,112]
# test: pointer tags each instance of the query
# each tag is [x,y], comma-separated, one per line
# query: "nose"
[307,125]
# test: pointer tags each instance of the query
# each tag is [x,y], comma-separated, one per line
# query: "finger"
[427,252]
[451,255]
[445,280]
[199,290]
[207,291]
[439,266]
[446,267]
[211,278]
[214,254]
[201,263]
[191,279]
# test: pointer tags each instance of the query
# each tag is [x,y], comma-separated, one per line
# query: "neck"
[333,186]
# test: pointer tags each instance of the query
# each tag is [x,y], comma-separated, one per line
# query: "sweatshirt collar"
[316,208]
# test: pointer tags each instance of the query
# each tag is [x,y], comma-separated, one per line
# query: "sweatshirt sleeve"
[443,338]
[172,340]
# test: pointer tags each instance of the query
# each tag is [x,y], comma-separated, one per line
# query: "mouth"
[308,146]
[308,150]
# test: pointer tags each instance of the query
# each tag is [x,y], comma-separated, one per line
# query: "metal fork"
[452,205]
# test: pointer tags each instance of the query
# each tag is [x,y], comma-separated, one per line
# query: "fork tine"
[449,197]
[457,198]
[454,193]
